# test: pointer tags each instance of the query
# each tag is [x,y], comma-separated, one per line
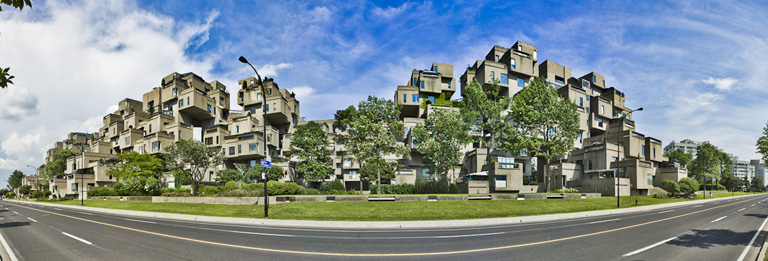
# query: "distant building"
[759,169]
[686,145]
[742,168]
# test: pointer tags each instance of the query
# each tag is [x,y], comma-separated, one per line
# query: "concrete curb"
[383,224]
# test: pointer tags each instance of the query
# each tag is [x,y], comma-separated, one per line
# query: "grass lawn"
[388,211]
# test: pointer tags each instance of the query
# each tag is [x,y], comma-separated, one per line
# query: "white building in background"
[686,145]
[759,166]
[742,168]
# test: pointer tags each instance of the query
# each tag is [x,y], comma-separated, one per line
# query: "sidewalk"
[381,224]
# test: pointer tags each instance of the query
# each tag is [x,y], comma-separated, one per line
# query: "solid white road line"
[8,249]
[740,210]
[603,221]
[744,254]
[136,220]
[77,238]
[665,211]
[721,218]
[648,247]
[31,219]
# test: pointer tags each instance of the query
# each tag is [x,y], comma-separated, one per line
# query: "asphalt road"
[709,230]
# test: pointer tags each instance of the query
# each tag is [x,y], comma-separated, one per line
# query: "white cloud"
[722,84]
[17,103]
[19,148]
[391,12]
[271,69]
[302,92]
[111,109]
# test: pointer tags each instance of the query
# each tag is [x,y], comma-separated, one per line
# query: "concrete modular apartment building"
[184,102]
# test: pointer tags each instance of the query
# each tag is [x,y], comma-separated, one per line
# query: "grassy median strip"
[388,211]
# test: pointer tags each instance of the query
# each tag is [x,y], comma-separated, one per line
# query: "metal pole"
[618,162]
[264,134]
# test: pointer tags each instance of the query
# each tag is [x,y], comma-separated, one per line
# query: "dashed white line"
[77,238]
[721,218]
[136,220]
[665,211]
[648,247]
[753,205]
[85,213]
[744,254]
[603,221]
[15,212]
[31,219]
[57,208]
[8,249]
[696,206]
[740,210]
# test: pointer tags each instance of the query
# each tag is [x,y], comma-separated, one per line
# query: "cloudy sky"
[695,66]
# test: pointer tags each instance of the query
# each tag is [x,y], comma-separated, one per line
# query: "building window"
[239,149]
[179,134]
[602,109]
[175,92]
[613,159]
[181,103]
[127,140]
[155,145]
[580,140]
[493,75]
[237,129]
[258,96]
[221,101]
[425,173]
[512,63]
[209,108]
[497,58]
[188,100]
[338,165]
[74,186]
[589,164]
[594,79]
[422,84]
[654,152]
[404,98]
[434,68]
[217,139]
[603,83]
[504,79]
[415,97]
[520,82]
[231,150]
[414,81]
[449,85]
[274,106]
[431,99]
[253,147]
[643,150]
[585,84]
[600,122]
[581,102]
[649,179]
[535,54]
[353,174]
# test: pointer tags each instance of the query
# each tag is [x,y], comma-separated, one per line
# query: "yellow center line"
[379,255]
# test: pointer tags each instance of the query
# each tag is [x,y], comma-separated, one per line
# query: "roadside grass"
[391,210]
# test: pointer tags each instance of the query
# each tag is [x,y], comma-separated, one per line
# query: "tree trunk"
[194,186]
[378,177]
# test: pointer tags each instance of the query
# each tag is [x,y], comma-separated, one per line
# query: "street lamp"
[618,159]
[264,134]
[82,175]
[37,179]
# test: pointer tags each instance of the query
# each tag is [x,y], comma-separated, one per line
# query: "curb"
[383,224]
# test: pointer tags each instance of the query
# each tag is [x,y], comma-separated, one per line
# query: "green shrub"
[41,194]
[253,186]
[102,192]
[566,190]
[311,191]
[331,186]
[670,186]
[289,188]
[176,194]
[10,194]
[209,190]
[230,185]
[427,186]
[453,189]
[688,186]
[394,189]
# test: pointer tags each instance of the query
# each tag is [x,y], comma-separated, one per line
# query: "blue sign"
[266,164]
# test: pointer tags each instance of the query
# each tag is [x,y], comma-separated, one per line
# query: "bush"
[209,190]
[176,194]
[230,185]
[166,190]
[10,194]
[670,186]
[333,185]
[453,189]
[41,194]
[311,191]
[253,186]
[241,193]
[288,188]
[712,187]
[102,192]
[425,186]
[394,189]
[566,190]
[688,186]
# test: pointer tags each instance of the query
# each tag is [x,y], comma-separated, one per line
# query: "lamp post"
[82,175]
[37,179]
[264,133]
[618,159]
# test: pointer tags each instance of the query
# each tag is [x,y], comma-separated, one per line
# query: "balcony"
[279,112]
[196,104]
[246,146]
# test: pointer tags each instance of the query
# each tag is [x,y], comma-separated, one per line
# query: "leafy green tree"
[670,186]
[193,157]
[134,164]
[274,173]
[58,163]
[228,175]
[710,163]
[310,147]
[546,124]
[181,177]
[441,138]
[373,130]
[5,77]
[757,184]
[688,186]
[4,191]
[680,156]
[369,170]
[26,189]
[762,143]
[488,108]
[14,181]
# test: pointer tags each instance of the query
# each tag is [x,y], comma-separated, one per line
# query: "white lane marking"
[746,249]
[603,221]
[77,238]
[15,212]
[721,218]
[648,247]
[8,249]
[31,219]
[57,208]
[85,213]
[257,233]
[740,210]
[665,211]
[472,235]
[696,206]
[136,220]
[753,205]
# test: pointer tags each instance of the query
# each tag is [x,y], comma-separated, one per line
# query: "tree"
[194,158]
[670,186]
[372,131]
[5,77]
[762,143]
[224,176]
[710,163]
[310,146]
[58,163]
[757,184]
[369,170]
[546,124]
[274,173]
[487,107]
[441,139]
[14,181]
[680,156]
[26,189]
[688,186]
[134,164]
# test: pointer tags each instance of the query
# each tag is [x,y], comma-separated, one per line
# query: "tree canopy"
[58,164]
[680,156]
[441,138]
[710,163]
[762,143]
[192,157]
[310,148]
[545,124]
[14,181]
[487,110]
[369,170]
[134,164]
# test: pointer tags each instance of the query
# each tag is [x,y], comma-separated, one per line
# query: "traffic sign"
[266,164]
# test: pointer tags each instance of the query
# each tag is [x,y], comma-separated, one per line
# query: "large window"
[422,84]
[643,150]
[504,79]
[353,173]
[231,150]
[258,96]
[181,103]
[493,75]
[209,108]
[501,181]
[512,63]
[520,82]
[415,97]
[581,102]
[585,84]
[155,145]
[649,179]
[253,147]
[404,98]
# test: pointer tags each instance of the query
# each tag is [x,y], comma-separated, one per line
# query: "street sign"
[266,164]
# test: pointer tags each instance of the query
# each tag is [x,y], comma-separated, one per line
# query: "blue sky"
[696,67]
